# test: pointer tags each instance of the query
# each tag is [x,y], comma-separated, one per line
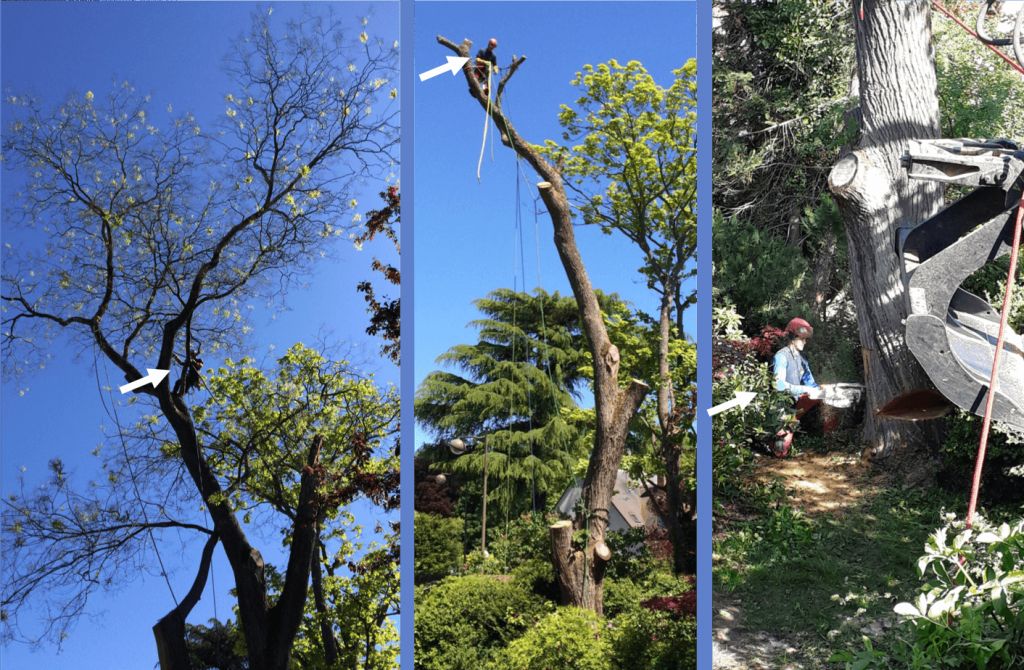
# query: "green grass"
[806,576]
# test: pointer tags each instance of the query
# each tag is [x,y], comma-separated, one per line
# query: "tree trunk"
[580,570]
[169,631]
[269,632]
[670,437]
[320,602]
[898,102]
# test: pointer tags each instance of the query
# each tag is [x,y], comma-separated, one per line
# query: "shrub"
[631,556]
[567,638]
[654,640]
[621,596]
[537,575]
[462,621]
[520,540]
[969,612]
[737,366]
[438,547]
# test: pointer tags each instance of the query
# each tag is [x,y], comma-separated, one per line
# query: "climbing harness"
[956,336]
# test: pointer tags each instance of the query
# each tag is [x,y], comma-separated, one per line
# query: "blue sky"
[464,230]
[173,51]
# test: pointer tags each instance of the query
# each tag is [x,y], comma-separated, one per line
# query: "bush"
[654,640]
[621,596]
[969,612]
[537,575]
[461,621]
[737,366]
[438,547]
[567,638]
[522,539]
[631,556]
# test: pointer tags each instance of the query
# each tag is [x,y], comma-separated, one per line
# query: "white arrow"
[741,400]
[154,377]
[453,65]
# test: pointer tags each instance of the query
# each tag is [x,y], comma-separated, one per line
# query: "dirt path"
[817,484]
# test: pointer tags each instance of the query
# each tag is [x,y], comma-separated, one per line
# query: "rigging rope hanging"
[112,413]
[993,379]
[487,121]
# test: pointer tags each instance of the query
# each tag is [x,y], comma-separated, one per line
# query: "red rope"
[987,423]
[1014,64]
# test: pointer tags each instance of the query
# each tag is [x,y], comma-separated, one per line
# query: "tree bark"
[268,632]
[169,631]
[898,102]
[320,602]
[580,570]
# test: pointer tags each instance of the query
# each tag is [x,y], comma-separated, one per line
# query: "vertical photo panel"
[200,336]
[555,354]
[868,161]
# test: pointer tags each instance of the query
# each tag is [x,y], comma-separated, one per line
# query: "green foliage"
[631,557]
[537,575]
[462,621]
[438,546]
[634,155]
[359,609]
[261,426]
[219,645]
[569,637]
[781,77]
[737,434]
[654,641]
[512,392]
[969,612]
[758,271]
[979,94]
[520,540]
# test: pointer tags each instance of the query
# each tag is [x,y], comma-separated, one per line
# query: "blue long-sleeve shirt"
[792,372]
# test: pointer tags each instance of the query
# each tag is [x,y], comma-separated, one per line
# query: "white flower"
[363,37]
[89,96]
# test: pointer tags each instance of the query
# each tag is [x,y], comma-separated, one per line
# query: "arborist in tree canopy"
[792,371]
[485,60]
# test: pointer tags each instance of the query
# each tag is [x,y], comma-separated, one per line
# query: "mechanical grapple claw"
[951,331]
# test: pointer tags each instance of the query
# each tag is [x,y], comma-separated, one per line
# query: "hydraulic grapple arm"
[950,331]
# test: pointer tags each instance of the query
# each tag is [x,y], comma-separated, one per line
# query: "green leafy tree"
[631,160]
[513,393]
[156,237]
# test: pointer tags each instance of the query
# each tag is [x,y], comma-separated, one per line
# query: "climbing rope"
[112,413]
[487,121]
[994,378]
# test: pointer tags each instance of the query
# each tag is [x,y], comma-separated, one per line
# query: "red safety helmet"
[798,327]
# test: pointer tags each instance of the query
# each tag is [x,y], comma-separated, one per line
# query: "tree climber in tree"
[793,376]
[485,61]
[191,370]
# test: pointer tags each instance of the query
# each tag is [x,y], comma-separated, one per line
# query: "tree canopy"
[156,233]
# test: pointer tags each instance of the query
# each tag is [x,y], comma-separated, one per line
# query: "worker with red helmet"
[792,371]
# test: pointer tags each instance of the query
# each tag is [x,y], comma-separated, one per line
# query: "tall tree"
[158,236]
[580,570]
[512,392]
[633,163]
[898,102]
